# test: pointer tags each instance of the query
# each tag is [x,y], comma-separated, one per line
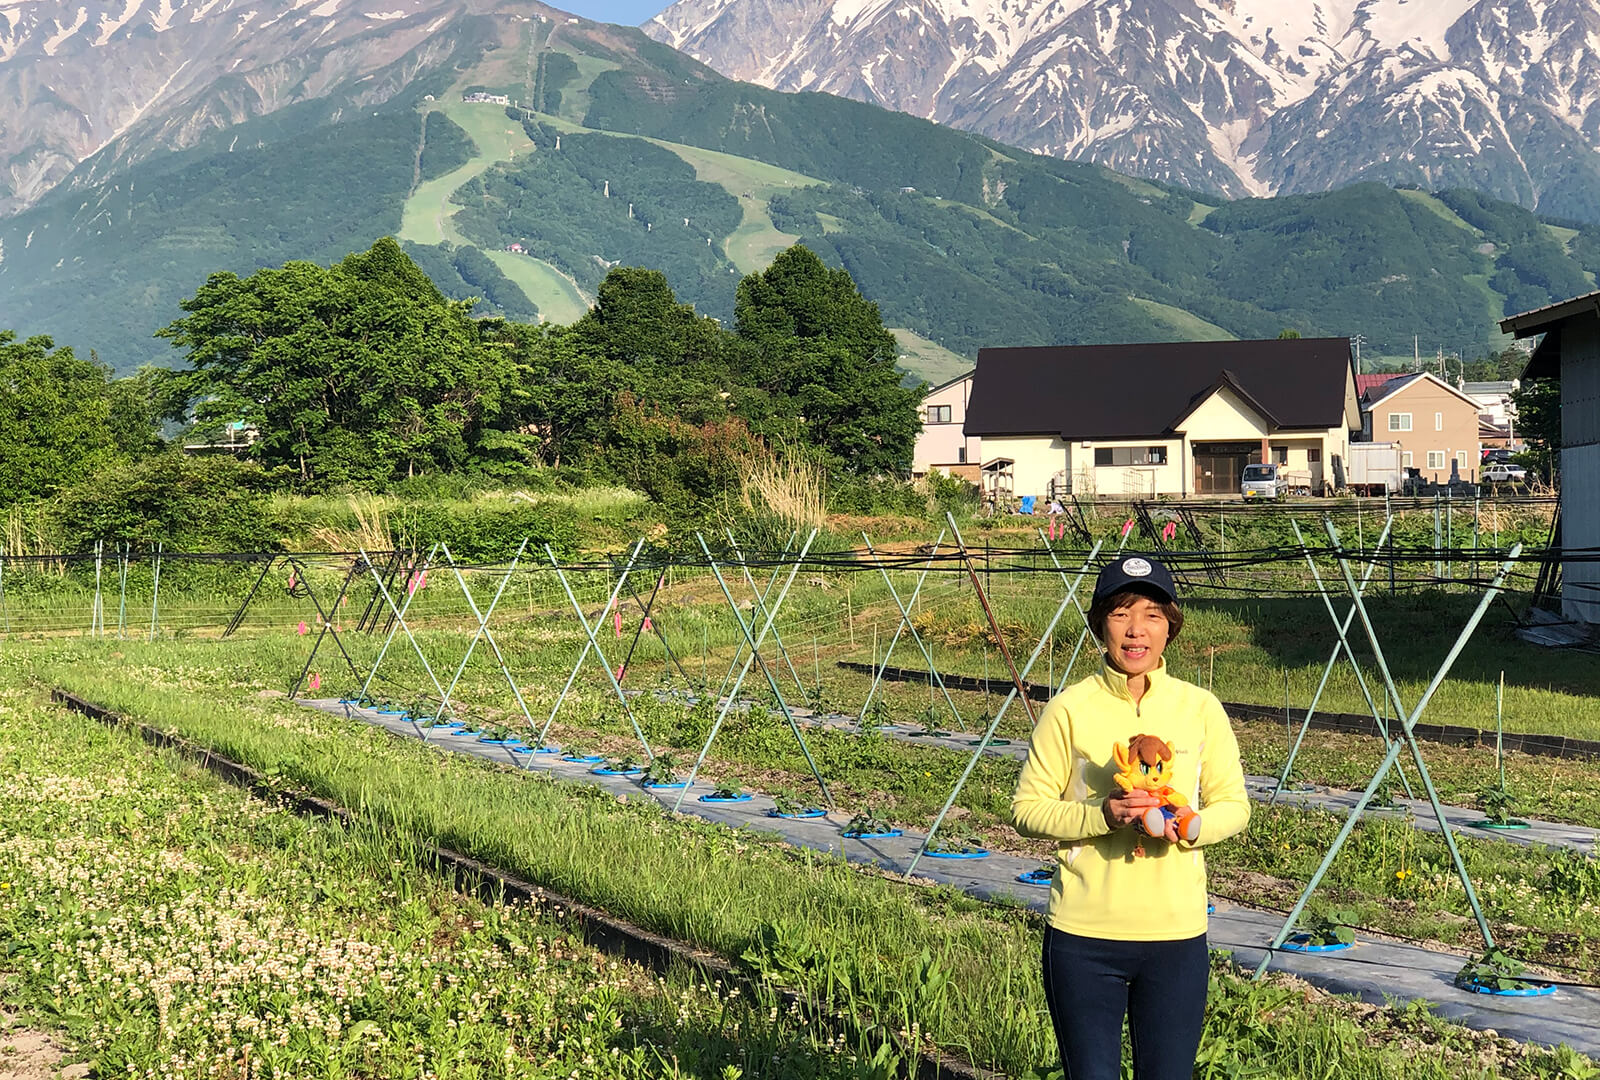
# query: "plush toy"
[1146,765]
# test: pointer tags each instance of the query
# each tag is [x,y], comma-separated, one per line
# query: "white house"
[1176,418]
[943,445]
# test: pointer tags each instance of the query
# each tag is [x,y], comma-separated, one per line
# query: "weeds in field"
[179,929]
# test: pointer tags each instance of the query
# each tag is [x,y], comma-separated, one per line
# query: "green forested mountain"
[619,151]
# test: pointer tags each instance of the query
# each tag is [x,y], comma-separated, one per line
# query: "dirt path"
[33,1055]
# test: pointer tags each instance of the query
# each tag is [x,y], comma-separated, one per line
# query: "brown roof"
[1539,320]
[1134,391]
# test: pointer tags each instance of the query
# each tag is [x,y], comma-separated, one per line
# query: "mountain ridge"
[959,238]
[1231,97]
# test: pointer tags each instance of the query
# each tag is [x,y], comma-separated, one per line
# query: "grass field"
[1436,206]
[426,217]
[927,359]
[1242,648]
[910,965]
[162,924]
[1184,322]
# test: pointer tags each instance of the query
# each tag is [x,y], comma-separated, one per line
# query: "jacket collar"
[1115,682]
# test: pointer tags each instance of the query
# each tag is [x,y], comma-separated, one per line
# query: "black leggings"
[1090,984]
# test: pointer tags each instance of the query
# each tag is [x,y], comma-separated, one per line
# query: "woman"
[1127,920]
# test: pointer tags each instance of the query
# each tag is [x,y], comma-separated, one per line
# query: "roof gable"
[1400,385]
[1134,391]
[1229,381]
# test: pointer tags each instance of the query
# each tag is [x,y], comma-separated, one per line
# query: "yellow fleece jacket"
[1101,889]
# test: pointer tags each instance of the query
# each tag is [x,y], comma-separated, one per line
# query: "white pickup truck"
[1273,482]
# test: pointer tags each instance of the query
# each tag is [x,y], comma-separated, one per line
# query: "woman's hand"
[1126,807]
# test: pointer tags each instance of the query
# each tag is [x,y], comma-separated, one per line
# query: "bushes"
[187,503]
[485,533]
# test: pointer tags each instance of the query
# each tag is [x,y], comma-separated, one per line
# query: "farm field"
[1254,635]
[842,935]
[160,923]
[1392,877]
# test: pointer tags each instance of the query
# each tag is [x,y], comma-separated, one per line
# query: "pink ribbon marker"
[617,619]
[647,622]
[316,681]
[1169,530]
[301,629]
[1127,527]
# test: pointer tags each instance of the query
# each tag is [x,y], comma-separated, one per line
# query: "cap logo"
[1137,567]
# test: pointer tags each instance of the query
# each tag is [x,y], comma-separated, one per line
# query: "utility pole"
[1359,340]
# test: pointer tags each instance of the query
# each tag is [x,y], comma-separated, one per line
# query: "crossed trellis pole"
[760,629]
[592,642]
[754,642]
[1018,679]
[1408,722]
[904,625]
[1342,646]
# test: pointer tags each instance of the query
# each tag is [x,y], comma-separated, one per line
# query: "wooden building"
[1570,350]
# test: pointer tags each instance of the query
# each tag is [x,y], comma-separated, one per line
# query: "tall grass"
[787,486]
[369,531]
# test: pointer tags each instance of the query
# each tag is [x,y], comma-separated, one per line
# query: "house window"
[1405,459]
[1130,455]
[1438,421]
[938,414]
[1399,421]
[1314,455]
[1435,459]
[961,455]
[1280,454]
[1461,459]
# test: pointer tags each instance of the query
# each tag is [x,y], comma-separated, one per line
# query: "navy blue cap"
[1142,572]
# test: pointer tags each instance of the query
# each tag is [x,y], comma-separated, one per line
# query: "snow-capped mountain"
[75,75]
[1239,97]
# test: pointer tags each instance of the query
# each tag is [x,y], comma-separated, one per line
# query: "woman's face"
[1136,636]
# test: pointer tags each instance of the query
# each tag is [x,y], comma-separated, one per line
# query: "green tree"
[819,357]
[1538,405]
[54,418]
[200,503]
[637,353]
[359,372]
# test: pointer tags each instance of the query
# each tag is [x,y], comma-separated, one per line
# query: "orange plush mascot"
[1146,765]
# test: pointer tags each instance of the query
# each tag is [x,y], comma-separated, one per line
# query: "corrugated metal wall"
[1580,464]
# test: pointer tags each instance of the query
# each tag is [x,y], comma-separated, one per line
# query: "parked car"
[1504,472]
[1272,481]
[1496,456]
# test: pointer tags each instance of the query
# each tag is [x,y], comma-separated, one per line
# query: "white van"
[1272,482]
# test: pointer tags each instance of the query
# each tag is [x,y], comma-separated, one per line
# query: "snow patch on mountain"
[55,41]
[1240,97]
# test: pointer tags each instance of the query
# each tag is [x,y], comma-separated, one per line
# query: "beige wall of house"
[1138,467]
[1134,470]
[1224,417]
[1037,458]
[1433,425]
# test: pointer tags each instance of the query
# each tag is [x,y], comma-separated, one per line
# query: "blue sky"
[627,12]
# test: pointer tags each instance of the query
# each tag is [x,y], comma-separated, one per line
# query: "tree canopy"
[364,373]
[55,418]
[359,372]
